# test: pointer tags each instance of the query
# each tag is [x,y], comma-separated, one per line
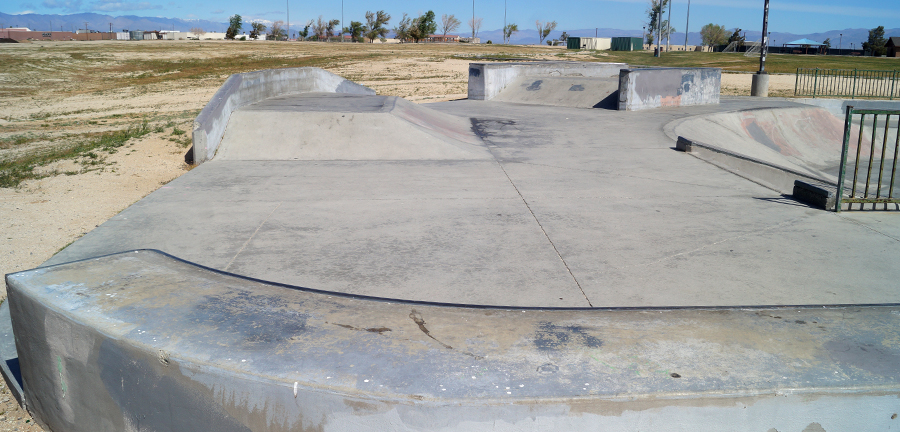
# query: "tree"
[277,32]
[875,44]
[198,31]
[508,31]
[544,29]
[403,27]
[449,23]
[257,28]
[305,32]
[653,15]
[713,35]
[234,26]
[355,30]
[375,25]
[425,26]
[563,37]
[475,25]
[736,37]
[329,28]
[827,43]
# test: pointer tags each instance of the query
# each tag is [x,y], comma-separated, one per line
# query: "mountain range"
[100,22]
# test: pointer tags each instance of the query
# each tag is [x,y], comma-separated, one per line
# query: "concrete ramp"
[577,92]
[807,140]
[329,126]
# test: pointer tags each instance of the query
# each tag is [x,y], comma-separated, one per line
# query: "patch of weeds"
[177,131]
[15,171]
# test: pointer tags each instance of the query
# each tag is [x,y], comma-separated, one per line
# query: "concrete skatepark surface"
[525,209]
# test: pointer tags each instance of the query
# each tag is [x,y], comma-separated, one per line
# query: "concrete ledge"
[641,89]
[247,88]
[486,80]
[821,195]
[144,341]
[777,178]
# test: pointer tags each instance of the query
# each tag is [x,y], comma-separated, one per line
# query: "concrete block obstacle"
[251,87]
[593,85]
[641,89]
[559,83]
[143,341]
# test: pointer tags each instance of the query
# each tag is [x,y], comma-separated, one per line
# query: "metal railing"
[869,192]
[847,83]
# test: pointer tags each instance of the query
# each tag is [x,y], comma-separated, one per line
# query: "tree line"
[408,29]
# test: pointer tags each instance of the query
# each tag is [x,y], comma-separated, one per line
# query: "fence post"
[796,82]
[853,92]
[893,82]
[842,174]
[815,83]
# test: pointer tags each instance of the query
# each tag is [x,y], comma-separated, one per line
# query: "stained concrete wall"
[143,341]
[247,88]
[641,89]
[486,80]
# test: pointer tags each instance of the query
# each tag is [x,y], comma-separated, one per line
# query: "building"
[442,38]
[893,46]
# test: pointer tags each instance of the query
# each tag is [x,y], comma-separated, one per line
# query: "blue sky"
[795,16]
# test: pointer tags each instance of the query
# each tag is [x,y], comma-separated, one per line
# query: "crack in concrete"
[251,237]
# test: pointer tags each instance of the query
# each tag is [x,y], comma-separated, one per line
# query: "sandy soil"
[70,91]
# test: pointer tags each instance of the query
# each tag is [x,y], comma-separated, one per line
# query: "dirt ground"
[60,95]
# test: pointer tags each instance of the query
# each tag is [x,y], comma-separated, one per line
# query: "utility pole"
[473,21]
[841,42]
[288,32]
[504,21]
[659,27]
[668,29]
[87,36]
[342,20]
[760,83]
[687,25]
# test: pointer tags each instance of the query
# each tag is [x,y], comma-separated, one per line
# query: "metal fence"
[874,192]
[847,83]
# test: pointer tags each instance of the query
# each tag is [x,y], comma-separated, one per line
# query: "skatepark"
[519,260]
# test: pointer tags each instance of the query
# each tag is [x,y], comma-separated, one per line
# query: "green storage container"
[573,42]
[627,44]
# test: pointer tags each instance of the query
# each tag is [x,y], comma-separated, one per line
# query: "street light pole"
[668,29]
[686,25]
[288,32]
[760,83]
[841,42]
[662,3]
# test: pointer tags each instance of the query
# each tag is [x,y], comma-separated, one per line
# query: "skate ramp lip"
[328,126]
[124,329]
[803,139]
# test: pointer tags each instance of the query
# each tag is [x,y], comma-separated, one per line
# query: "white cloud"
[116,6]
[66,5]
[25,12]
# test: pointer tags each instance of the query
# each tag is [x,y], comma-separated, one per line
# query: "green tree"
[736,37]
[375,25]
[257,28]
[403,27]
[234,26]
[305,32]
[329,28]
[424,26]
[508,31]
[713,35]
[876,42]
[544,29]
[449,23]
[827,43]
[355,30]
[653,16]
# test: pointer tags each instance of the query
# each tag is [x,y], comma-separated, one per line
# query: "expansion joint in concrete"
[545,234]
[243,246]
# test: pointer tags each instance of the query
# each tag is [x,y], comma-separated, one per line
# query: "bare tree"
[475,25]
[329,28]
[449,23]
[544,29]
[277,32]
[198,31]
[319,28]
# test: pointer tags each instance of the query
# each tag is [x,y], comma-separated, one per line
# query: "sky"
[794,16]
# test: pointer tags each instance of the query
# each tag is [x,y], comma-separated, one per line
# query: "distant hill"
[102,22]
